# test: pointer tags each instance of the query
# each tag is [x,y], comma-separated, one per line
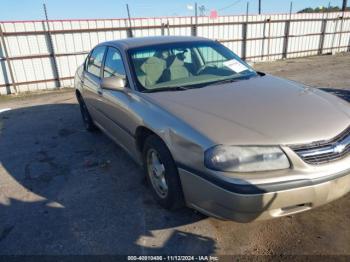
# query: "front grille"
[325,151]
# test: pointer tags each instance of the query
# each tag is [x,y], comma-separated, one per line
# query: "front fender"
[179,136]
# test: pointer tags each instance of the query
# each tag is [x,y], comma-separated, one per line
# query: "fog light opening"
[296,208]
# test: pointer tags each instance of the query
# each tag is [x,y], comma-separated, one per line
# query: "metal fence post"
[286,38]
[244,34]
[341,30]
[244,40]
[51,50]
[195,25]
[263,40]
[194,28]
[9,66]
[268,38]
[322,36]
[168,27]
[162,29]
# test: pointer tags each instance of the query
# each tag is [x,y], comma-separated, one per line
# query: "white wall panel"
[73,44]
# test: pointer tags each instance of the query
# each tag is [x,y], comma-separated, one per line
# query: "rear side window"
[113,64]
[94,63]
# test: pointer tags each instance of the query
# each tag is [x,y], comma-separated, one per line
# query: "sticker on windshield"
[236,66]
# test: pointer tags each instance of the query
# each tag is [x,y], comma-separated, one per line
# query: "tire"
[173,198]
[87,120]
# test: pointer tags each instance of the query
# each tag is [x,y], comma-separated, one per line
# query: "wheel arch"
[78,93]
[141,135]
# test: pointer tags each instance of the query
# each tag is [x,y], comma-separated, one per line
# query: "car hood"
[258,111]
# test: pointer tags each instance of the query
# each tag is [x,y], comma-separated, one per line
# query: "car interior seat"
[177,68]
[153,69]
[139,73]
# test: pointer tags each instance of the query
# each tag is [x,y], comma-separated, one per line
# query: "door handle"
[99,92]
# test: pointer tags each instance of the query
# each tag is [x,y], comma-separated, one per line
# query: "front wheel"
[162,174]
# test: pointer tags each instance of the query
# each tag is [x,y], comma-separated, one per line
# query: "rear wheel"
[162,174]
[88,123]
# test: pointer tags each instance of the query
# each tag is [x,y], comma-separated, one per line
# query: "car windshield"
[186,65]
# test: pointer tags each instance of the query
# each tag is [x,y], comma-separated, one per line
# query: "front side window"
[94,62]
[114,64]
[190,65]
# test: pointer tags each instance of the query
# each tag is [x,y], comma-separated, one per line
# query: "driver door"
[117,119]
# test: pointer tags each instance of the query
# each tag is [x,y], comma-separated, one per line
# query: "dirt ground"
[319,71]
[67,191]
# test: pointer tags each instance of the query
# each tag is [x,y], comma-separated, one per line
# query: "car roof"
[153,40]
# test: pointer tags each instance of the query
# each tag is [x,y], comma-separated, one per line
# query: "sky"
[75,9]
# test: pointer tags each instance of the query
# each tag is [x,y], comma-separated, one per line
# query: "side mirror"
[113,83]
[91,60]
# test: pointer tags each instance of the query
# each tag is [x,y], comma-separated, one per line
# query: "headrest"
[153,68]
[177,62]
[152,61]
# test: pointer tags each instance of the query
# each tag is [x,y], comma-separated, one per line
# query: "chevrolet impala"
[214,134]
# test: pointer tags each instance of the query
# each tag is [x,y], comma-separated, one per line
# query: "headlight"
[245,158]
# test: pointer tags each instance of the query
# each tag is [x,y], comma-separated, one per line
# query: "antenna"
[130,30]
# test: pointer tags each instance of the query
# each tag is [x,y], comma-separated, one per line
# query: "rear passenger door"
[92,80]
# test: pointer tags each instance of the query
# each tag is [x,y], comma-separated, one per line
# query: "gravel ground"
[319,71]
[66,191]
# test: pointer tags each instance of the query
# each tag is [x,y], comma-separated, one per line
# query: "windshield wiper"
[169,88]
[231,80]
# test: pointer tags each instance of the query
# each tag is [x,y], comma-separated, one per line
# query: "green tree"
[322,9]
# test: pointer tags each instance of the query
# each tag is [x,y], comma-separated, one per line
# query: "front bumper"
[214,200]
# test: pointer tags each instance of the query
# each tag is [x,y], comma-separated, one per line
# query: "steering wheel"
[201,69]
